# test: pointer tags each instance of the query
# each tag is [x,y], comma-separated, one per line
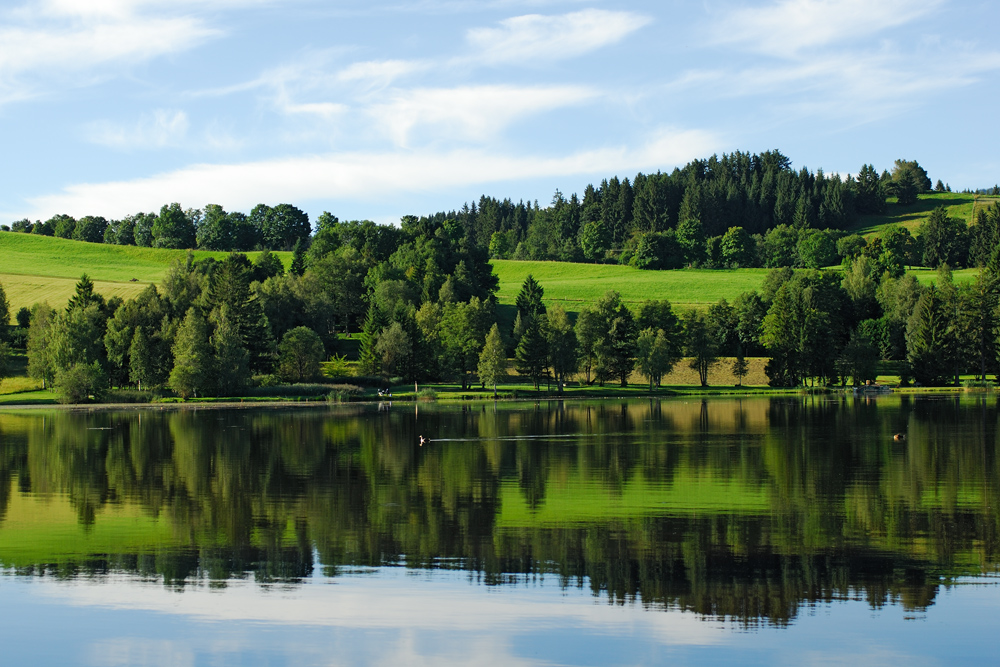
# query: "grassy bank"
[961,206]
[574,285]
[43,268]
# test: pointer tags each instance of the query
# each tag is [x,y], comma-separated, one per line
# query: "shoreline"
[485,397]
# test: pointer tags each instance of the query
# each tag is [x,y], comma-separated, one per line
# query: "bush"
[300,354]
[427,395]
[342,393]
[80,383]
[131,396]
[290,390]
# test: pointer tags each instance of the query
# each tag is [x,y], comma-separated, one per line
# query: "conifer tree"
[368,354]
[298,266]
[193,371]
[529,299]
[531,355]
[930,339]
[232,371]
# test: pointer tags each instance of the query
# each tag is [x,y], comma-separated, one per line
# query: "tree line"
[423,298]
[740,210]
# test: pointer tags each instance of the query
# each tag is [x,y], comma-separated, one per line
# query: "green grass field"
[574,285]
[961,206]
[41,268]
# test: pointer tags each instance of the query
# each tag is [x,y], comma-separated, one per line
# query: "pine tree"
[192,372]
[492,367]
[930,340]
[298,266]
[368,354]
[529,299]
[84,295]
[232,359]
[531,355]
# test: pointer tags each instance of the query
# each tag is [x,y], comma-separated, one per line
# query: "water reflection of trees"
[851,512]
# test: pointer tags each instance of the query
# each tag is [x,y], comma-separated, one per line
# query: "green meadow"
[961,206]
[575,285]
[34,269]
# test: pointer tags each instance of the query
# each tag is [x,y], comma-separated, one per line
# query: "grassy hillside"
[573,285]
[41,268]
[961,206]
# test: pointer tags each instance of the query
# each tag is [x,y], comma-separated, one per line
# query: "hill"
[573,285]
[43,268]
[961,206]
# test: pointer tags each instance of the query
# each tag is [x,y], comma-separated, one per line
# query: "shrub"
[300,354]
[81,382]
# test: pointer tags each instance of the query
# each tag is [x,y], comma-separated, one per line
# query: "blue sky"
[381,109]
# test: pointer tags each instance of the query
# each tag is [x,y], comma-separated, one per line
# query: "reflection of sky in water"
[405,617]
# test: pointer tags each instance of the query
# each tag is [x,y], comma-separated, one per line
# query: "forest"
[421,296]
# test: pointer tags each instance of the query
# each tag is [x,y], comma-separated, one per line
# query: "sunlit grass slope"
[41,268]
[574,285]
[961,206]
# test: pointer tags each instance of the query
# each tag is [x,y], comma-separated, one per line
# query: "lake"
[788,529]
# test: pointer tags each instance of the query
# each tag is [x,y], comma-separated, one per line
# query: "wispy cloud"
[361,176]
[122,8]
[380,73]
[58,43]
[528,38]
[157,130]
[470,112]
[789,27]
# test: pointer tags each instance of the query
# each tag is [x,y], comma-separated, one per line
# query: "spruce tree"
[368,354]
[192,372]
[298,266]
[930,340]
[531,356]
[529,299]
[232,371]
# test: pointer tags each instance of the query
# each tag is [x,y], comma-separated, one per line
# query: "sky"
[379,109]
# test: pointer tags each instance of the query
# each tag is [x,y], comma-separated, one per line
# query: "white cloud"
[122,8]
[789,27]
[82,47]
[530,37]
[470,112]
[394,600]
[861,87]
[359,176]
[59,44]
[380,73]
[157,130]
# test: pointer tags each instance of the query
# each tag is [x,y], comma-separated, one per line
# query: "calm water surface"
[776,530]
